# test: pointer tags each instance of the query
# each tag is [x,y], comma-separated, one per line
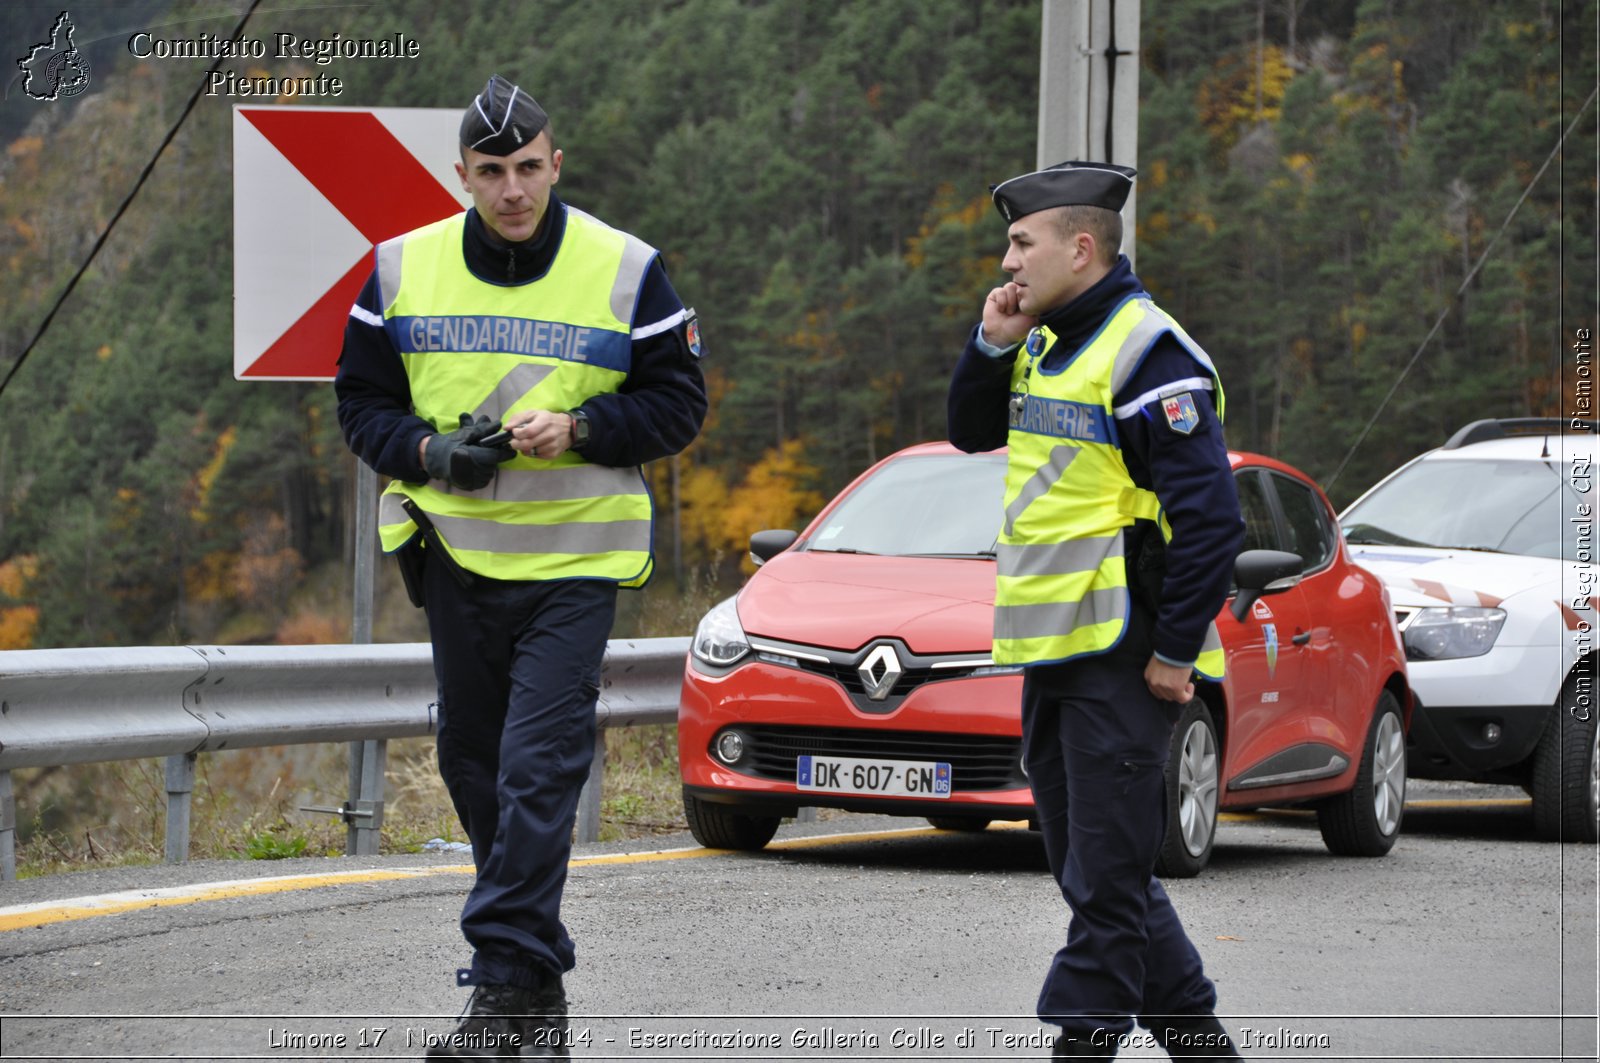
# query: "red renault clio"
[852,671]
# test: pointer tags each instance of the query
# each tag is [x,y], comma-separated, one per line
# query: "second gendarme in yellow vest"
[474,347]
[1062,589]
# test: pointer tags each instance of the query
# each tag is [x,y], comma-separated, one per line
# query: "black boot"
[545,1031]
[493,1025]
[1079,1046]
[1194,1037]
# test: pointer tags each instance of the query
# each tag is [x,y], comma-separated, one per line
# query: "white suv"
[1487,546]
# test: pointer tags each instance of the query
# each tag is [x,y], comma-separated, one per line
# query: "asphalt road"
[1467,942]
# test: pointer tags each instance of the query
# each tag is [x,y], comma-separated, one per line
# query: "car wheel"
[1566,773]
[1365,820]
[1193,777]
[967,823]
[720,827]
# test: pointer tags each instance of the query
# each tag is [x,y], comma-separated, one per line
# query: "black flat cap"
[502,119]
[1066,184]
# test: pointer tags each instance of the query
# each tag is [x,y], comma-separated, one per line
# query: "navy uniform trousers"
[1095,744]
[518,665]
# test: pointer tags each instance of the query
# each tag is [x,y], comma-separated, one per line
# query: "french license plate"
[895,778]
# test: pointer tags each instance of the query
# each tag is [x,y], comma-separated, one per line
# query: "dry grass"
[246,803]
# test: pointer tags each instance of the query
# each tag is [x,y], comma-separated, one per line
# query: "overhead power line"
[144,175]
[1328,485]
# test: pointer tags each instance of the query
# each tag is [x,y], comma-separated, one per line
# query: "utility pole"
[1089,88]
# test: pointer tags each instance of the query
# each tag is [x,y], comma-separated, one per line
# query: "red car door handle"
[1302,638]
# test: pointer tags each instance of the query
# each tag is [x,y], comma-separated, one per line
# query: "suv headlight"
[719,640]
[1445,633]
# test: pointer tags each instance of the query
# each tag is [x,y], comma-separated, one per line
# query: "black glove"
[456,458]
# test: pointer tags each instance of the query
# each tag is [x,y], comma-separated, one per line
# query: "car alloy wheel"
[1389,774]
[1193,778]
[1365,820]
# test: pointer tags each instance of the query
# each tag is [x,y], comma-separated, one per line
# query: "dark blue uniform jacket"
[656,413]
[1189,473]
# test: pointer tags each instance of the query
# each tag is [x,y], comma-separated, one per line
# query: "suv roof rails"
[1501,427]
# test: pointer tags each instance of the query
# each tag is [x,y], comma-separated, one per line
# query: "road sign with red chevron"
[314,188]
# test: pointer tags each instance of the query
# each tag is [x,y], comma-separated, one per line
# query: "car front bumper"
[974,724]
[1474,743]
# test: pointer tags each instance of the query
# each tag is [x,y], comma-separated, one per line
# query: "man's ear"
[1083,250]
[461,172]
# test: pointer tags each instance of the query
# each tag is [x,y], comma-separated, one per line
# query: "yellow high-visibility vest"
[473,347]
[1062,585]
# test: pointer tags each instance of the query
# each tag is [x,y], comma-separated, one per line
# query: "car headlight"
[1447,632]
[719,640]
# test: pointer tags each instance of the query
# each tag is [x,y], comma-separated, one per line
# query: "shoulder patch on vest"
[1182,417]
[691,334]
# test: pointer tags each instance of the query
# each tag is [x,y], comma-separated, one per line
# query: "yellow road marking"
[22,916]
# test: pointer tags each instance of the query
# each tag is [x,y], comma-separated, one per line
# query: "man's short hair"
[1104,225]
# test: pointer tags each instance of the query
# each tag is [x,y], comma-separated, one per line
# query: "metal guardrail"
[81,706]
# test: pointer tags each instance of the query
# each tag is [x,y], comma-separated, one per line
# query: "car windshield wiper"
[1367,535]
[843,550]
[964,555]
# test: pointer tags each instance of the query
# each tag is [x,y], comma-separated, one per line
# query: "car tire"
[1365,820]
[965,823]
[1193,776]
[1566,773]
[720,827]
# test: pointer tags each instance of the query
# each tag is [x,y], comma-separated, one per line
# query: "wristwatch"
[580,429]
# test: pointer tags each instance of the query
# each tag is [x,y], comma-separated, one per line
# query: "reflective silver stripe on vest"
[390,254]
[1040,482]
[563,483]
[1057,559]
[573,537]
[1138,341]
[522,379]
[1060,619]
[636,258]
[1213,639]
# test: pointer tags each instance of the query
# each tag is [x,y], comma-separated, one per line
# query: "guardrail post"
[368,759]
[364,810]
[589,798]
[8,830]
[180,789]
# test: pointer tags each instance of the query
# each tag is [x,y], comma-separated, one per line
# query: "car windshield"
[1506,507]
[939,505]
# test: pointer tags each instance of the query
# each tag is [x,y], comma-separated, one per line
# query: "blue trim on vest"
[1065,419]
[1062,368]
[494,334]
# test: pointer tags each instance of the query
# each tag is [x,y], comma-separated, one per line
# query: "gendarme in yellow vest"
[1062,585]
[474,347]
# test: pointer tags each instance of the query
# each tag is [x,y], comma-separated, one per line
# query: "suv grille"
[977,762]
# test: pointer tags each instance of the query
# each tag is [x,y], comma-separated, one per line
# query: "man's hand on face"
[1004,323]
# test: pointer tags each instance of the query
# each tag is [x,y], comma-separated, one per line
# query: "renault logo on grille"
[879,672]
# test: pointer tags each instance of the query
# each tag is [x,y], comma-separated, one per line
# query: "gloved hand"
[456,458]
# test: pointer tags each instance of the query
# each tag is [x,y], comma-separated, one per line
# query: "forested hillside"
[1318,181]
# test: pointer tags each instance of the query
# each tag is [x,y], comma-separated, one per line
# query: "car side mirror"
[766,545]
[1262,572]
